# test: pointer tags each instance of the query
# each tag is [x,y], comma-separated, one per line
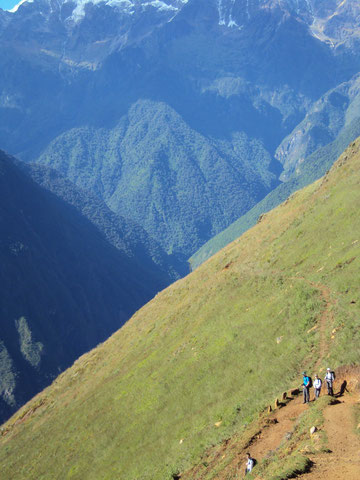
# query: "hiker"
[307,383]
[317,386]
[330,378]
[250,462]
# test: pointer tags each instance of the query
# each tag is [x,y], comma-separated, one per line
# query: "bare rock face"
[321,125]
[333,22]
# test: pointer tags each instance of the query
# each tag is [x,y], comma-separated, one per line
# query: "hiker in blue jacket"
[307,383]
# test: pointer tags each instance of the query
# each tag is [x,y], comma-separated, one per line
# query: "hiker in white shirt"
[249,463]
[317,386]
[329,378]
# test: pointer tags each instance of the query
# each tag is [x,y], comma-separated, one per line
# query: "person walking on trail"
[307,383]
[330,378]
[317,386]
[250,463]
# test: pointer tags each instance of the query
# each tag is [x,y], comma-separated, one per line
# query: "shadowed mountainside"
[125,235]
[64,287]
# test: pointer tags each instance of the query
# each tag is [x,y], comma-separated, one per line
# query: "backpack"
[333,373]
[310,382]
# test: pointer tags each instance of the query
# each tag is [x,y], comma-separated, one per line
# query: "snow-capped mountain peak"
[15,9]
[125,6]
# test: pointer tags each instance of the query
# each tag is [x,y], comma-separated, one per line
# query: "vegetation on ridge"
[198,362]
[157,171]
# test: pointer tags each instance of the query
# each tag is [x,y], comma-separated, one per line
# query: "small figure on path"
[250,463]
[330,378]
[317,386]
[307,384]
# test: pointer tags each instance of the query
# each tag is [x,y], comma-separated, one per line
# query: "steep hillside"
[309,170]
[202,359]
[280,442]
[64,287]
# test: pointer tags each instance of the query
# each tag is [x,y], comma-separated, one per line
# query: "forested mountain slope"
[198,362]
[153,169]
[64,286]
[306,154]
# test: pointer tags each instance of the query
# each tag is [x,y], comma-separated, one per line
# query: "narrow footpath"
[343,463]
[343,460]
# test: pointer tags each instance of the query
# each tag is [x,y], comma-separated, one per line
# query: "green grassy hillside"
[199,362]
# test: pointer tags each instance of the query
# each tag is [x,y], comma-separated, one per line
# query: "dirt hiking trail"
[270,438]
[343,463]
[343,460]
[326,319]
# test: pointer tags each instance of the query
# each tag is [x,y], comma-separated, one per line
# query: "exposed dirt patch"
[272,437]
[344,460]
[266,439]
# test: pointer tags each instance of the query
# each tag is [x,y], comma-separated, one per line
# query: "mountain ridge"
[196,187]
[125,235]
